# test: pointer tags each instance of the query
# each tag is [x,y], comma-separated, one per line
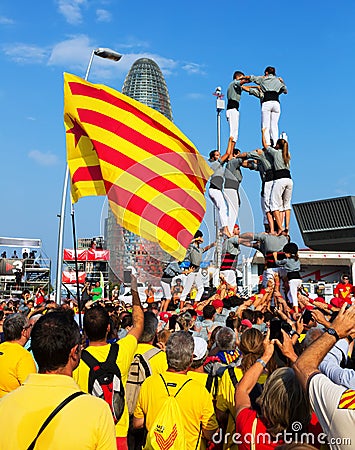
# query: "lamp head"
[107,54]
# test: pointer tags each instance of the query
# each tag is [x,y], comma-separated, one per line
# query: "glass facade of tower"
[146,84]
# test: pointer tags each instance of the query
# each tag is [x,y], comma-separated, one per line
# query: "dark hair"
[53,336]
[198,234]
[125,319]
[96,321]
[236,73]
[283,146]
[208,311]
[270,70]
[248,314]
[150,327]
[211,154]
[13,326]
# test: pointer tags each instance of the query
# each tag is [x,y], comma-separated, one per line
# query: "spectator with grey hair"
[224,352]
[16,363]
[196,415]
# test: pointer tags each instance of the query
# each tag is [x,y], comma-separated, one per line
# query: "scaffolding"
[28,270]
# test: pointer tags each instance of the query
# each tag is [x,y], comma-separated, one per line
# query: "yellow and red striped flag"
[152,174]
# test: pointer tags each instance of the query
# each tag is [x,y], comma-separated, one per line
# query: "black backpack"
[105,380]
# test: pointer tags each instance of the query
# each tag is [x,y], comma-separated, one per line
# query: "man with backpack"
[79,421]
[176,410]
[96,326]
[148,360]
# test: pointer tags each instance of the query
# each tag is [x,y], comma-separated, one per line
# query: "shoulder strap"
[150,353]
[145,365]
[166,386]
[52,415]
[91,361]
[253,433]
[145,358]
[232,376]
[209,382]
[113,353]
[88,359]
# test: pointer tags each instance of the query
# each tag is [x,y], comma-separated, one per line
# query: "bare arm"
[251,376]
[213,244]
[138,422]
[137,312]
[308,362]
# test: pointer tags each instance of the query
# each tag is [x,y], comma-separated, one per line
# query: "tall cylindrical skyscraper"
[146,84]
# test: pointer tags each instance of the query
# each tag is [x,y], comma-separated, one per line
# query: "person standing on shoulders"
[234,93]
[215,190]
[281,193]
[272,87]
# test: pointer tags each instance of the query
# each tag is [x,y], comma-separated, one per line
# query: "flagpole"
[102,53]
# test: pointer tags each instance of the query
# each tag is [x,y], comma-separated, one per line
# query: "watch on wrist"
[332,332]
[293,332]
[262,362]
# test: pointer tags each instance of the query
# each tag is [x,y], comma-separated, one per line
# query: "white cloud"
[193,68]
[72,10]
[31,118]
[103,15]
[6,21]
[73,54]
[26,53]
[43,159]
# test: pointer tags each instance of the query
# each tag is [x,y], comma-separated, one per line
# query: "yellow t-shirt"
[158,362]
[200,377]
[225,400]
[85,423]
[126,352]
[16,364]
[194,400]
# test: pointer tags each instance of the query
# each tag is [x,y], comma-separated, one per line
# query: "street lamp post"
[102,53]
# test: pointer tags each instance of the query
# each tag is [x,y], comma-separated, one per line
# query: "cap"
[337,302]
[165,316]
[247,323]
[200,348]
[217,303]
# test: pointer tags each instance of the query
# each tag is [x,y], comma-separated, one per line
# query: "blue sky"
[198,45]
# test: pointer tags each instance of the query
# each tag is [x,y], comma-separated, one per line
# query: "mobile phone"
[275,330]
[306,316]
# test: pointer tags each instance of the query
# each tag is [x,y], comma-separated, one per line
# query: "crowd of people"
[244,372]
[197,369]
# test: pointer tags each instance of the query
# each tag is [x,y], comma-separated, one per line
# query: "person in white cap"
[196,371]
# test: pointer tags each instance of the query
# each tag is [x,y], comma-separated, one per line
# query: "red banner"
[86,255]
[69,255]
[70,278]
[98,255]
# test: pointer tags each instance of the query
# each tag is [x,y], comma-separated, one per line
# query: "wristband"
[349,339]
[293,332]
[332,332]
[262,362]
